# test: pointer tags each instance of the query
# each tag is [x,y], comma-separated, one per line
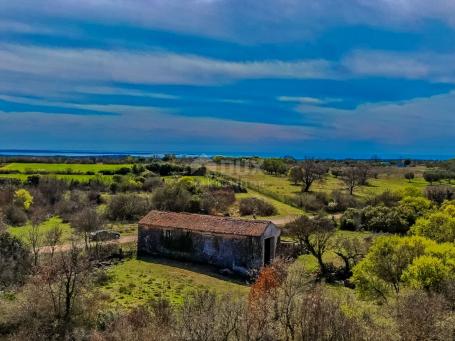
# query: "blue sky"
[351,78]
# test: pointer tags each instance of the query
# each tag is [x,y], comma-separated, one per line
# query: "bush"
[173,197]
[439,193]
[341,201]
[15,215]
[217,200]
[311,201]
[386,198]
[15,261]
[255,206]
[152,183]
[127,207]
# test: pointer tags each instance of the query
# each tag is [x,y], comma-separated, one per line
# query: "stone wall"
[225,251]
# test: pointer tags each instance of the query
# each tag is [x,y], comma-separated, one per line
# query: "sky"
[307,78]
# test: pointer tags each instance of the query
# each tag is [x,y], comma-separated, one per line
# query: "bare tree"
[86,221]
[351,178]
[311,172]
[53,237]
[34,236]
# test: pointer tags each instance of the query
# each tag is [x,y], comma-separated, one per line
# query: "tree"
[274,166]
[351,178]
[439,226]
[313,235]
[311,172]
[431,176]
[295,175]
[53,237]
[439,193]
[409,176]
[363,171]
[15,261]
[351,251]
[86,221]
[23,198]
[381,271]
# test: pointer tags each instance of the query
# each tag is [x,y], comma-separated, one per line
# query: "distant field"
[68,177]
[137,281]
[61,167]
[23,231]
[257,179]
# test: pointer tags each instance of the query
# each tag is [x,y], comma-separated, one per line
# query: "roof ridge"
[215,216]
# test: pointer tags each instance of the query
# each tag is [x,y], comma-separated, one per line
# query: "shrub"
[15,261]
[311,201]
[341,201]
[15,215]
[173,197]
[439,193]
[152,183]
[217,200]
[127,207]
[255,206]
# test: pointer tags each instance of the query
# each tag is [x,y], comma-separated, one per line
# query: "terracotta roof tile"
[204,223]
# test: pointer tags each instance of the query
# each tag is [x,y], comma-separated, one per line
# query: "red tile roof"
[204,223]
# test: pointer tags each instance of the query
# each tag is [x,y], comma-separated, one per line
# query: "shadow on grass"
[203,269]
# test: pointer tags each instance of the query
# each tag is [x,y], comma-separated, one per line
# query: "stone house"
[236,244]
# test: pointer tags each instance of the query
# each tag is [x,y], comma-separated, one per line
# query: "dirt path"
[67,247]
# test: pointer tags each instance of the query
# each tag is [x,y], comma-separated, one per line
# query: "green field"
[61,167]
[67,177]
[283,209]
[22,232]
[137,281]
[280,185]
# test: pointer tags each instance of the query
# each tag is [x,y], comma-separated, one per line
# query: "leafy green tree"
[380,273]
[427,272]
[295,175]
[314,235]
[409,176]
[439,226]
[23,198]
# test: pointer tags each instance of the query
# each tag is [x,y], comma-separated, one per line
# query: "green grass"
[283,209]
[137,281]
[61,167]
[311,264]
[391,179]
[67,177]
[22,232]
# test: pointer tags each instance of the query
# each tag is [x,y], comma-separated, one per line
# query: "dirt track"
[66,247]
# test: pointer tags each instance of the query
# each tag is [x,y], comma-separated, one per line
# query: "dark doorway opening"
[268,251]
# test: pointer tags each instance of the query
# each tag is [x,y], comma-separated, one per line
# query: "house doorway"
[268,252]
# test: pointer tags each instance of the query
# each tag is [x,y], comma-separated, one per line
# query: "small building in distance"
[236,244]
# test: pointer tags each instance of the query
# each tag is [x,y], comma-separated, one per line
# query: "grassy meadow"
[62,167]
[137,281]
[257,180]
[22,232]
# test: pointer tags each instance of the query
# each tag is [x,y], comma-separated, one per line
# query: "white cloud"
[413,122]
[429,66]
[241,20]
[147,67]
[143,129]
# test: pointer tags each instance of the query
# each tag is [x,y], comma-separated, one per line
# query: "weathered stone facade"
[237,251]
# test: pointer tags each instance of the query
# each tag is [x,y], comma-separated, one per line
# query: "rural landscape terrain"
[227,170]
[364,244]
